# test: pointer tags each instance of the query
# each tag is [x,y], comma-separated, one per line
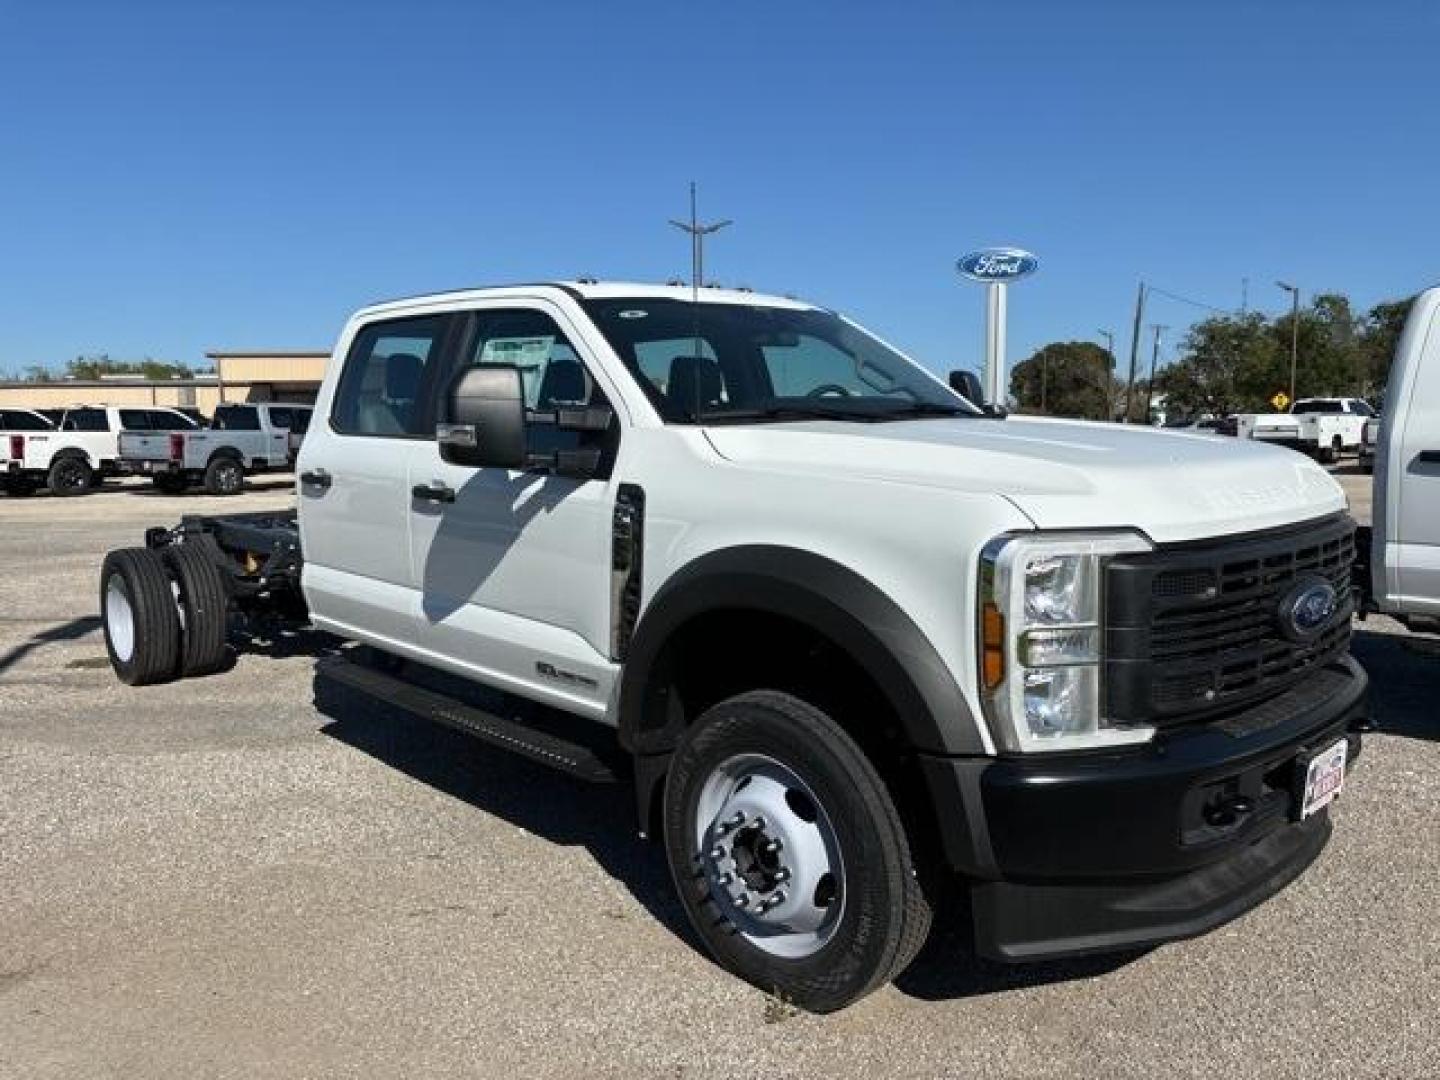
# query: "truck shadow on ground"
[73,630]
[1404,671]
[601,818]
[551,805]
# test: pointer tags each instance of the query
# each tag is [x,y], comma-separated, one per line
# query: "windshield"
[719,363]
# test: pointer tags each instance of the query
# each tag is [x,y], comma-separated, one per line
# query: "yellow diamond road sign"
[1281,401]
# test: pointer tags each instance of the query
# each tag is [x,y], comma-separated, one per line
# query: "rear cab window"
[86,420]
[384,386]
[236,418]
[20,420]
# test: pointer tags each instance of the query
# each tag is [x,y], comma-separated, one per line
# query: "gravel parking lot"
[213,878]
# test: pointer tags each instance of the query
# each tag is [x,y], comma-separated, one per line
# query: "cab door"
[353,481]
[512,568]
[1417,529]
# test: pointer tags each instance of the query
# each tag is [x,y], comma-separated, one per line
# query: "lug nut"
[772,846]
[717,853]
[726,879]
[775,900]
[783,874]
[738,819]
[743,900]
[759,822]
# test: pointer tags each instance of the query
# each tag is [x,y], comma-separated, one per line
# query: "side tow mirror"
[967,385]
[483,419]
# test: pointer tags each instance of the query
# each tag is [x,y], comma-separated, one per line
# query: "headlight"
[1042,640]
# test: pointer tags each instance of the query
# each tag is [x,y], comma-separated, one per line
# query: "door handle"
[433,493]
[316,478]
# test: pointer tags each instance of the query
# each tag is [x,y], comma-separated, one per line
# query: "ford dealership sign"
[997,265]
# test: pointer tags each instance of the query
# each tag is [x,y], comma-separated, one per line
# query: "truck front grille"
[1198,630]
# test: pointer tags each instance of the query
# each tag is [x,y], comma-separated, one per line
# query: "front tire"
[141,621]
[224,476]
[789,854]
[69,476]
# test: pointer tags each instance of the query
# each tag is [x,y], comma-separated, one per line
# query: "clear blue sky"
[177,177]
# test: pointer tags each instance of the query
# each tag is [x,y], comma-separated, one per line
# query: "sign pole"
[995,342]
[995,268]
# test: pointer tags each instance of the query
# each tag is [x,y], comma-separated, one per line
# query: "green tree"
[1228,362]
[1066,378]
[1379,334]
[98,366]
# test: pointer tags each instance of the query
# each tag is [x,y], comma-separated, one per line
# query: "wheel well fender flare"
[225,452]
[837,603]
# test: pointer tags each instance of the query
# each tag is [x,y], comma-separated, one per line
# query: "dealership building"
[250,375]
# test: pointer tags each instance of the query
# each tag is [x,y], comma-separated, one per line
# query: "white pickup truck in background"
[241,439]
[82,451]
[1322,427]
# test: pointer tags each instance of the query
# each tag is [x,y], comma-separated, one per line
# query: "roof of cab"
[589,289]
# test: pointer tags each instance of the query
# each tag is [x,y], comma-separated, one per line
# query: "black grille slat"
[1195,629]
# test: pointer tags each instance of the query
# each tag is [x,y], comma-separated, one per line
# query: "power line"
[1187,300]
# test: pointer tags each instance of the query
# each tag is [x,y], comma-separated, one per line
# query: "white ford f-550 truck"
[845,633]
[241,439]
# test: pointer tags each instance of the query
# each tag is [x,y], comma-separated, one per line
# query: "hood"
[1061,474]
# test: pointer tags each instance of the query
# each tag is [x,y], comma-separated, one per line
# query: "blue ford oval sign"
[997,264]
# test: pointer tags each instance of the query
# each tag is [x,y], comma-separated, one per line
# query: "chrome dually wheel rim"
[770,855]
[119,619]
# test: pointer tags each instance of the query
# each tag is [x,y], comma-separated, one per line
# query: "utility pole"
[1244,296]
[697,233]
[1134,349]
[1044,381]
[1154,359]
[1294,331]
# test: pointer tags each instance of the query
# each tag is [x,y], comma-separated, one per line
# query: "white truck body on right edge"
[1405,544]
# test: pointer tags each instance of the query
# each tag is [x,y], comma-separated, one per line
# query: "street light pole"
[697,233]
[1294,331]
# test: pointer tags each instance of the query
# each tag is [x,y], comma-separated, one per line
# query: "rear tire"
[225,476]
[850,913]
[69,476]
[137,609]
[204,605]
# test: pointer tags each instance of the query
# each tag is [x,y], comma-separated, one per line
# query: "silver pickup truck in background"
[242,439]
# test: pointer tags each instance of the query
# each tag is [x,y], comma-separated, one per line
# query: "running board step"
[514,735]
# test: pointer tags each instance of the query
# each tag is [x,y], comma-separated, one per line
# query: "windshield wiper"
[783,412]
[912,409]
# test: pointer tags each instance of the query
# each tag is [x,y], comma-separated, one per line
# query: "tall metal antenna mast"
[697,233]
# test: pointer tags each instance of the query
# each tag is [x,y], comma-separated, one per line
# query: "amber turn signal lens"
[992,643]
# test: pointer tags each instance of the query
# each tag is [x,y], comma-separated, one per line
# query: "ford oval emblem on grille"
[1307,609]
